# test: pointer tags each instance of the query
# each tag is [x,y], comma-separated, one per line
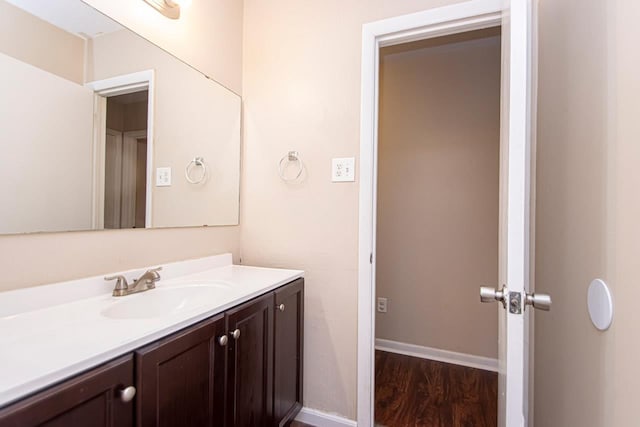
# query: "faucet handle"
[154,273]
[121,282]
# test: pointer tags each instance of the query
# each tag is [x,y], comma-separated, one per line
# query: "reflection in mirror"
[100,129]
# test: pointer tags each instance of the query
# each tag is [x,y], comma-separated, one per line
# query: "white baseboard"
[322,419]
[470,360]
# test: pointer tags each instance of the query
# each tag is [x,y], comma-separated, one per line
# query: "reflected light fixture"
[169,8]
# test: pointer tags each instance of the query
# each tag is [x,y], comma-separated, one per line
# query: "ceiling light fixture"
[169,8]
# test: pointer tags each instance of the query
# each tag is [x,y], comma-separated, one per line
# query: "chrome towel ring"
[196,162]
[291,156]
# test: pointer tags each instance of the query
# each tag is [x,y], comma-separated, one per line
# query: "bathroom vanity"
[213,344]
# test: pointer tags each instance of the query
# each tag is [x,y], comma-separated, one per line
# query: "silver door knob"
[236,334]
[492,295]
[223,340]
[539,301]
[280,307]
[127,394]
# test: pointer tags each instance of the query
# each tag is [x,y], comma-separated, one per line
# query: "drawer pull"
[280,307]
[236,334]
[127,394]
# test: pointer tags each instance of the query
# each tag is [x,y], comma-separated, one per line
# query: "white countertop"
[53,332]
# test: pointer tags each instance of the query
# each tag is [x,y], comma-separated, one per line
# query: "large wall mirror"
[101,129]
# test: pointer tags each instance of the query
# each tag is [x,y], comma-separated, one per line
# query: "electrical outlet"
[163,177]
[382,305]
[343,169]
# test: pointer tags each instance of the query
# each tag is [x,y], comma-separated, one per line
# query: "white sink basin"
[166,301]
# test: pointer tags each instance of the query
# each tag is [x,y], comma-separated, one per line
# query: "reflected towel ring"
[198,161]
[291,156]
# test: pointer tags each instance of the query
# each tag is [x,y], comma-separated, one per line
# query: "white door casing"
[515,208]
[515,183]
[114,86]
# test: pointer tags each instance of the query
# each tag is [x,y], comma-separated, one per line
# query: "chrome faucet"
[144,283]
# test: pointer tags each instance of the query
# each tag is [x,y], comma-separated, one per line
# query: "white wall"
[45,170]
[193,116]
[438,169]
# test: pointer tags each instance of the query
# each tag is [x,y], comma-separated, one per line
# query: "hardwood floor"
[299,424]
[417,392]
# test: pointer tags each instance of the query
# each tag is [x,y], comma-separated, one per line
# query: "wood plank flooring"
[417,392]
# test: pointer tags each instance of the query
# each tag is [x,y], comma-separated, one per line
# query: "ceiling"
[73,16]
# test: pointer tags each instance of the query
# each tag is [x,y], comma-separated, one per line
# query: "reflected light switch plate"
[163,177]
[343,169]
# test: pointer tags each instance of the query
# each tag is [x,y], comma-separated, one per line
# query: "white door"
[112,179]
[516,18]
[515,196]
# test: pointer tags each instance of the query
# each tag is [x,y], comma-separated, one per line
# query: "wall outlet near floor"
[343,169]
[382,305]
[163,177]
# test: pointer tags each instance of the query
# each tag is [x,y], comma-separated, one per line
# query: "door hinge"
[371,258]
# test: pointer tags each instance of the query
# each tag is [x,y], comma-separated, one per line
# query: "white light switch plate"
[163,177]
[343,169]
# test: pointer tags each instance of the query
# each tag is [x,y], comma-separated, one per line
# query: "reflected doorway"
[125,171]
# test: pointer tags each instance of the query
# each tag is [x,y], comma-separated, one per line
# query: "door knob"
[236,334]
[539,301]
[127,394]
[223,340]
[492,295]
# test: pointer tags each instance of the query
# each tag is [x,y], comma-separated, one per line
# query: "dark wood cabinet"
[241,368]
[249,370]
[288,352]
[90,399]
[181,378]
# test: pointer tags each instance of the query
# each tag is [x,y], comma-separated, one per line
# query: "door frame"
[120,85]
[457,18]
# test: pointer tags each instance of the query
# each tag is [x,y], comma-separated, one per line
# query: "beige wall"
[301,91]
[438,168]
[588,210]
[36,42]
[28,260]
[45,175]
[193,116]
[208,35]
[572,246]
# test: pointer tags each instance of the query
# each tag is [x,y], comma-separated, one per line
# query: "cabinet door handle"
[127,394]
[280,307]
[223,340]
[236,334]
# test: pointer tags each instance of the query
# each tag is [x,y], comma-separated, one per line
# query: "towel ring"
[198,161]
[291,156]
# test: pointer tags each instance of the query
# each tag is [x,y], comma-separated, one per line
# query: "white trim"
[98,157]
[322,419]
[120,85]
[469,15]
[446,356]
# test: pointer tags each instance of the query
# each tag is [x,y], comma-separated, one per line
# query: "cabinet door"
[288,342]
[250,368]
[181,378]
[91,399]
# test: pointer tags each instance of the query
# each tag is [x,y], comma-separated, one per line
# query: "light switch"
[163,177]
[343,169]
